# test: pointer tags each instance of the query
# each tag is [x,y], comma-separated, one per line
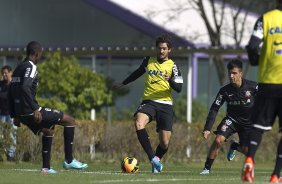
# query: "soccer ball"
[130,165]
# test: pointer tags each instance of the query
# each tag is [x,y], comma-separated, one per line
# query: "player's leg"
[68,122]
[224,130]
[265,110]
[276,177]
[164,138]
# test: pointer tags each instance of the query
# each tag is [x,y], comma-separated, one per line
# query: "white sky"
[188,24]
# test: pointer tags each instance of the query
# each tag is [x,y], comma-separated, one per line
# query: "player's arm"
[11,104]
[176,80]
[256,39]
[26,91]
[134,75]
[218,102]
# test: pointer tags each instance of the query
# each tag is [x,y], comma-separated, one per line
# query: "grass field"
[97,173]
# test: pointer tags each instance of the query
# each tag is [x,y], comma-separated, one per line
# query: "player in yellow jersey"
[268,103]
[161,76]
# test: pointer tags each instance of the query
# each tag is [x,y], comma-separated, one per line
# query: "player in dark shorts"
[161,77]
[25,109]
[239,96]
[265,50]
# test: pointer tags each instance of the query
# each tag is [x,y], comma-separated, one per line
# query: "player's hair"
[235,63]
[279,1]
[32,47]
[6,67]
[164,39]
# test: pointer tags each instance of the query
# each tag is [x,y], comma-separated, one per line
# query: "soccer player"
[268,103]
[25,109]
[161,76]
[239,96]
[4,111]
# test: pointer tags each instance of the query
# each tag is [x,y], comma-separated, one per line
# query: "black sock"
[278,164]
[209,163]
[254,142]
[46,151]
[234,146]
[160,151]
[145,142]
[68,140]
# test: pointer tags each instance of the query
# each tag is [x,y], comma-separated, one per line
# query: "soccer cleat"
[157,164]
[48,171]
[154,170]
[205,171]
[248,170]
[274,179]
[75,165]
[231,153]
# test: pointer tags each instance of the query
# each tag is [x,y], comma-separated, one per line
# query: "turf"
[110,173]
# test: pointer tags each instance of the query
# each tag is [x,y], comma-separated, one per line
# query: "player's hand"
[37,116]
[117,85]
[206,134]
[166,77]
[17,122]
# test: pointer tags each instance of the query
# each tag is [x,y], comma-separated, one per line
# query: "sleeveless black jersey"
[239,101]
[22,89]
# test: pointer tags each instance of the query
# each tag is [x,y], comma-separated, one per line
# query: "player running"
[161,77]
[239,96]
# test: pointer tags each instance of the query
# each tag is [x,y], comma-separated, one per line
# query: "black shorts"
[162,113]
[50,117]
[228,127]
[265,111]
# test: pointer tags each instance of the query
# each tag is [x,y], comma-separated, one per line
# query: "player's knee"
[47,132]
[139,124]
[68,120]
[164,145]
[218,141]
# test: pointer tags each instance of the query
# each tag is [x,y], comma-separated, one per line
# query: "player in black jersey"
[161,77]
[239,96]
[25,109]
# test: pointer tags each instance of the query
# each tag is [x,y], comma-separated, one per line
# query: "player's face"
[163,51]
[235,76]
[38,55]
[7,76]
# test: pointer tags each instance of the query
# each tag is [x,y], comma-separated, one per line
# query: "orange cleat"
[248,170]
[274,179]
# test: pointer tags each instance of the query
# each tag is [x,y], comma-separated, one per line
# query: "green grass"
[99,173]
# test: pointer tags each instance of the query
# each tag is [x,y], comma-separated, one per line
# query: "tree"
[68,86]
[222,18]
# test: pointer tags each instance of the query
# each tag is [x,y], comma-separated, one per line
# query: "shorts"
[265,111]
[162,113]
[229,126]
[50,117]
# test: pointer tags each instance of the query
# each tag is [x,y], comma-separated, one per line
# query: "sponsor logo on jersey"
[275,30]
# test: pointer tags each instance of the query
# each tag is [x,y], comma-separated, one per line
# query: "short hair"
[164,39]
[279,1]
[235,63]
[6,67]
[32,47]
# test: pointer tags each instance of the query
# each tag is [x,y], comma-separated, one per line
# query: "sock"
[209,163]
[160,151]
[145,142]
[46,151]
[234,146]
[254,142]
[278,164]
[68,141]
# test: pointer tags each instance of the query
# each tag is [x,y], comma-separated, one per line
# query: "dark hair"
[164,39]
[32,47]
[279,1]
[6,67]
[235,63]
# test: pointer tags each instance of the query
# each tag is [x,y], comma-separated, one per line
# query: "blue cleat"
[154,170]
[48,171]
[75,165]
[231,153]
[157,164]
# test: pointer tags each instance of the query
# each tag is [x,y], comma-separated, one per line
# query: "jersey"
[239,101]
[156,87]
[270,60]
[4,105]
[22,89]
